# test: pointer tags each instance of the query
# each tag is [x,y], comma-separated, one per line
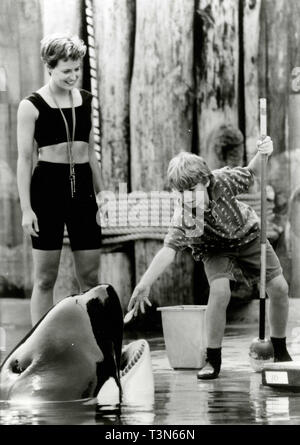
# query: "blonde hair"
[55,47]
[187,170]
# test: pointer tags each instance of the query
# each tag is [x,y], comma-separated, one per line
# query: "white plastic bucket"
[184,335]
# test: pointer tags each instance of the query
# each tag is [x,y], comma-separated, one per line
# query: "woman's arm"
[95,166]
[27,115]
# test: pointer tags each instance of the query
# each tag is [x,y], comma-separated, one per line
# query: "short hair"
[55,47]
[187,170]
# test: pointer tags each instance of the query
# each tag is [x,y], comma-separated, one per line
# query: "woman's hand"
[30,223]
[139,298]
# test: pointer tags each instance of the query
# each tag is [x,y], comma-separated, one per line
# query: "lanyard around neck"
[70,140]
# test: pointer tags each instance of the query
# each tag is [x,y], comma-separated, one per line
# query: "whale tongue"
[109,394]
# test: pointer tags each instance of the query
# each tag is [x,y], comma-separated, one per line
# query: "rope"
[133,237]
[113,234]
[160,210]
[89,15]
[134,230]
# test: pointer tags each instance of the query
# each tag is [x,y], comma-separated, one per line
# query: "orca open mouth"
[136,379]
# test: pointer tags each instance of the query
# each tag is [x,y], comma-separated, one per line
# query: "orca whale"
[75,353]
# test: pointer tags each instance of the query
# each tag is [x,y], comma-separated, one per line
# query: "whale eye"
[16,367]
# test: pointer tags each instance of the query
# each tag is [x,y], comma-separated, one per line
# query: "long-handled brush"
[261,349]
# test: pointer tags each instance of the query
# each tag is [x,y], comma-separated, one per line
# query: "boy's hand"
[265,146]
[139,298]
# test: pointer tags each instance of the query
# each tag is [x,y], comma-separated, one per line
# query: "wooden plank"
[273,84]
[217,61]
[11,275]
[277,39]
[9,51]
[10,212]
[293,127]
[11,230]
[161,108]
[61,16]
[162,83]
[293,152]
[114,32]
[28,16]
[30,35]
[251,34]
[295,243]
[116,269]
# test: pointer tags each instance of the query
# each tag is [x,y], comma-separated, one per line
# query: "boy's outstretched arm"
[264,146]
[162,259]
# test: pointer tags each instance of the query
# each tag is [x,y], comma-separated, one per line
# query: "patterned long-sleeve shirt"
[226,224]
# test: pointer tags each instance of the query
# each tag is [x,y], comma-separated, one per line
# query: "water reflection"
[125,415]
[63,413]
[278,408]
[74,413]
[273,405]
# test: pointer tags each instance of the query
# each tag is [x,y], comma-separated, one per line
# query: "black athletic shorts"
[51,200]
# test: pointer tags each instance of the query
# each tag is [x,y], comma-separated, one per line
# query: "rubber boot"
[212,367]
[280,352]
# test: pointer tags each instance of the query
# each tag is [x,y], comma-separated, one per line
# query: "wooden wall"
[114,33]
[170,72]
[20,33]
[217,70]
[161,111]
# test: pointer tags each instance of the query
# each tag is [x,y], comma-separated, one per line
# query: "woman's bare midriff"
[59,153]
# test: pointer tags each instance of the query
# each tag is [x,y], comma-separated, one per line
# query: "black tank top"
[49,126]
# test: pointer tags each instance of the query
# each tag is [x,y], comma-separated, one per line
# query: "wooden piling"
[20,65]
[217,61]
[276,38]
[251,36]
[295,243]
[161,106]
[61,16]
[114,34]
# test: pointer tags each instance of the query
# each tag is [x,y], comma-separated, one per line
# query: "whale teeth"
[137,355]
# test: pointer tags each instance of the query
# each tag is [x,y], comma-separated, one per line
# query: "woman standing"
[61,191]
